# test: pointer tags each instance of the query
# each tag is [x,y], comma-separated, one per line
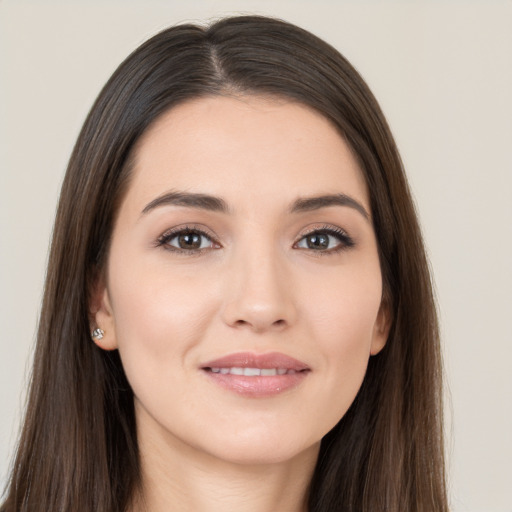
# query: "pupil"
[318,241]
[190,241]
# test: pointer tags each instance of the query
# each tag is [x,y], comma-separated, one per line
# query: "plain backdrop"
[442,72]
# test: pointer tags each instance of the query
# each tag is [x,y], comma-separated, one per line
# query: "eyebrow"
[217,204]
[191,200]
[315,203]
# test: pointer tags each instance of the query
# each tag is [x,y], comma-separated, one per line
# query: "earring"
[97,334]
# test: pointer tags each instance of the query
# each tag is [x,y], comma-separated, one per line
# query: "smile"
[256,375]
[253,372]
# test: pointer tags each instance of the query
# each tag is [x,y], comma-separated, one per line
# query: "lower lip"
[258,386]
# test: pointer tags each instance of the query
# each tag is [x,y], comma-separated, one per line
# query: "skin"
[255,286]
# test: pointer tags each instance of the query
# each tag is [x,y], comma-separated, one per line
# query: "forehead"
[236,147]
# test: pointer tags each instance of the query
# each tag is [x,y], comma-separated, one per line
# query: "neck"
[174,474]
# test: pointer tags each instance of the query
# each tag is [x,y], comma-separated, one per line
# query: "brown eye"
[325,240]
[317,241]
[188,240]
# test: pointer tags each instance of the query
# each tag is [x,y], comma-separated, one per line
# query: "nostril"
[260,325]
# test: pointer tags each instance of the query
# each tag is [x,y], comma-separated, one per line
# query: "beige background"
[443,74]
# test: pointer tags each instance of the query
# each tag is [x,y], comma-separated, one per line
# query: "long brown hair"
[78,447]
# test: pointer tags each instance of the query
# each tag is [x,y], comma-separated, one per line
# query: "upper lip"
[252,360]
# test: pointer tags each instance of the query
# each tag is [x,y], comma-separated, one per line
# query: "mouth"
[252,372]
[256,375]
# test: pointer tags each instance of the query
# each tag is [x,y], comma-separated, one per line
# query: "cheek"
[345,308]
[342,319]
[159,316]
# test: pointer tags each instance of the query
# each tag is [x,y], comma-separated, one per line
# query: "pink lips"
[256,375]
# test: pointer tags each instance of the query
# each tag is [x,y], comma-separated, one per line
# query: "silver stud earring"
[97,334]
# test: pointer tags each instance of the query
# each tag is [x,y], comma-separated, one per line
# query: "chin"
[265,451]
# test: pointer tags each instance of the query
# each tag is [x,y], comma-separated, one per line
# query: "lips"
[256,375]
[262,361]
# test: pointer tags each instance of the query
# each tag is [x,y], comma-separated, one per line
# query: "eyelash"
[345,241]
[163,240]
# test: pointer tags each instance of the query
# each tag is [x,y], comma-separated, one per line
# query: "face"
[243,287]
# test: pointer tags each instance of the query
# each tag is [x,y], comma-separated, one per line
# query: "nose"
[259,293]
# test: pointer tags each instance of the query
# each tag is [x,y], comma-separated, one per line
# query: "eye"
[325,240]
[187,240]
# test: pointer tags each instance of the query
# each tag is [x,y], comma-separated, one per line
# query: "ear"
[381,328]
[101,315]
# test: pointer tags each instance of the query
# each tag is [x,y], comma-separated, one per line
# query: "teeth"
[253,372]
[250,372]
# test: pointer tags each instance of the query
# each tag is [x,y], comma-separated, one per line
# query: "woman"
[236,234]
